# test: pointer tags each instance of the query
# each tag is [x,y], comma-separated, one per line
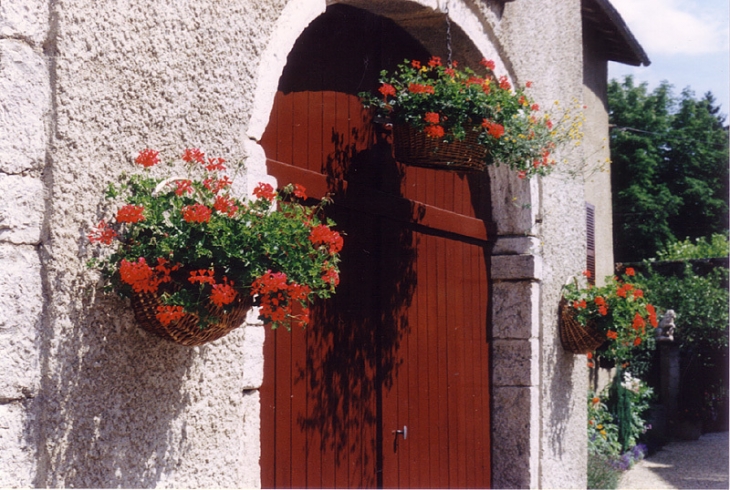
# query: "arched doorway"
[404,342]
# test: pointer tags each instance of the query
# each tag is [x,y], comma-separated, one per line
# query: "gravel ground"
[688,464]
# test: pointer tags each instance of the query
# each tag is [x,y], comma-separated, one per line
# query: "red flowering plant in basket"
[200,250]
[618,311]
[452,104]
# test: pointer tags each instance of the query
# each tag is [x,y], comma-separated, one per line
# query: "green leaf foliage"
[670,168]
[701,248]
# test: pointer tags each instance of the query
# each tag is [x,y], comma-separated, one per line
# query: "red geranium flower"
[147,158]
[225,205]
[435,131]
[183,186]
[215,164]
[494,129]
[417,88]
[196,213]
[300,191]
[265,191]
[387,89]
[102,234]
[193,155]
[130,214]
[139,275]
[223,293]
[168,314]
[489,64]
[504,83]
[434,61]
[431,117]
[323,235]
[639,322]
[202,276]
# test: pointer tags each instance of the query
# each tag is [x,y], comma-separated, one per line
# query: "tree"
[670,168]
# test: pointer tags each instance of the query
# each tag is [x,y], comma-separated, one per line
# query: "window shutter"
[591,242]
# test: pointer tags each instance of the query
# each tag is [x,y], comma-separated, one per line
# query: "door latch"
[403,432]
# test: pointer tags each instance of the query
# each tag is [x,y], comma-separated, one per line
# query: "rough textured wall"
[544,42]
[25,106]
[117,406]
[597,153]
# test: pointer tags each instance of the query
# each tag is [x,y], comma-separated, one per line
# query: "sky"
[687,41]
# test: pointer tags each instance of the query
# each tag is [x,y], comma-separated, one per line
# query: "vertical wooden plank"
[315,143]
[479,339]
[313,450]
[329,115]
[283,410]
[414,445]
[438,439]
[476,323]
[284,135]
[300,129]
[298,401]
[425,428]
[461,194]
[268,409]
[486,373]
[446,399]
[460,373]
[471,366]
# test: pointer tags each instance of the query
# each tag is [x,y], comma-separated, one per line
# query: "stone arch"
[472,39]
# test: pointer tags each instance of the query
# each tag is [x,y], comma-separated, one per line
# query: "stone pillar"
[25,108]
[515,273]
[669,378]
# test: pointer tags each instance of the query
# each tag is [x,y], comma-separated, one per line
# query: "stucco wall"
[546,48]
[110,405]
[597,168]
[92,401]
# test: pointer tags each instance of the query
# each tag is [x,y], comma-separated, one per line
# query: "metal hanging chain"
[448,36]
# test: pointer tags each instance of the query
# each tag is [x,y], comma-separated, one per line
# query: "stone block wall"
[25,109]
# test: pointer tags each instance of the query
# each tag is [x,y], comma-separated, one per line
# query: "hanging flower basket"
[193,258]
[457,119]
[414,147]
[187,329]
[616,317]
[575,337]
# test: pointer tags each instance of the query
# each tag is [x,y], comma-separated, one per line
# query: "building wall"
[543,40]
[597,167]
[93,401]
[25,107]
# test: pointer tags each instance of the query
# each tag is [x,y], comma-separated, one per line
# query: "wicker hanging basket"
[575,337]
[413,147]
[186,330]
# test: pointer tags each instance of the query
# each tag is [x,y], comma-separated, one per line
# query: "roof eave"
[621,45]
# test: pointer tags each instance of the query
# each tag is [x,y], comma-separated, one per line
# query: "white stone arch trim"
[294,18]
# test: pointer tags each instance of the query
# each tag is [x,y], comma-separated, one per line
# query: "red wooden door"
[404,341]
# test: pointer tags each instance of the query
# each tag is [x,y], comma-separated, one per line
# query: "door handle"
[403,432]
